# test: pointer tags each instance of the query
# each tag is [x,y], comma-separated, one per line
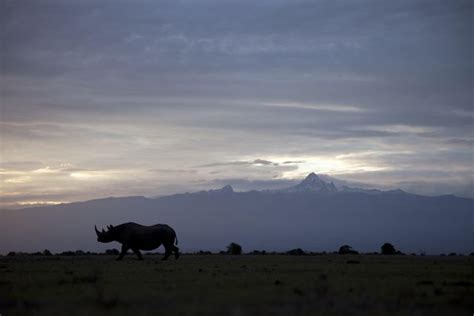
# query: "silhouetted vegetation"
[296,252]
[346,249]
[234,249]
[387,249]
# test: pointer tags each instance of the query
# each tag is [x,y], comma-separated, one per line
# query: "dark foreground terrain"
[237,285]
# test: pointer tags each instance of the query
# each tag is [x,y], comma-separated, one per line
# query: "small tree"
[346,249]
[388,249]
[234,249]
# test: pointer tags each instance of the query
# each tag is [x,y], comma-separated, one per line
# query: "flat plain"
[237,285]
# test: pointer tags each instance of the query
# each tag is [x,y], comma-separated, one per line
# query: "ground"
[237,285]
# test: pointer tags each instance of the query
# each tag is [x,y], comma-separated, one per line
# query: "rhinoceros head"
[105,236]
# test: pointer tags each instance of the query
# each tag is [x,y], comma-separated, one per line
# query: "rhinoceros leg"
[138,253]
[168,251]
[176,252]
[123,252]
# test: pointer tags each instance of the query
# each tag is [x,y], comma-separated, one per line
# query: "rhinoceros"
[138,237]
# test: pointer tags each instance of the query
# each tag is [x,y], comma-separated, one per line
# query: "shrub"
[234,249]
[296,252]
[387,249]
[346,249]
[46,252]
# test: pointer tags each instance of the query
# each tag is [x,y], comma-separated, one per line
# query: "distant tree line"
[235,249]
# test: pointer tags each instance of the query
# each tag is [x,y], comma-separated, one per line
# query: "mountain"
[312,215]
[313,183]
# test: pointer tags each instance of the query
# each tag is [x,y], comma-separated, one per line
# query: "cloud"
[223,164]
[316,107]
[264,162]
[130,95]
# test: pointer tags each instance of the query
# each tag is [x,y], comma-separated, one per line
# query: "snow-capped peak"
[313,183]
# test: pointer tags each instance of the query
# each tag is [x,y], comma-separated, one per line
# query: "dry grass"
[237,285]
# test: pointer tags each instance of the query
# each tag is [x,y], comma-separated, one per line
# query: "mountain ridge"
[312,184]
[271,220]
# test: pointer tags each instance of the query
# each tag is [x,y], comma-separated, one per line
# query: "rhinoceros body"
[138,237]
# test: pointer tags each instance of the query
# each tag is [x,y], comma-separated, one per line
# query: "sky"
[117,98]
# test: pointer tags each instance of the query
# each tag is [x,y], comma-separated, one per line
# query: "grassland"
[237,285]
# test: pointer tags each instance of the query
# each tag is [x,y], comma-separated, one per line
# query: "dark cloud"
[264,162]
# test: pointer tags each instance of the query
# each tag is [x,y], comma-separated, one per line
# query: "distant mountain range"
[314,215]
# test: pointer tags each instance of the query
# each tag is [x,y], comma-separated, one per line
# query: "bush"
[11,254]
[234,249]
[346,249]
[296,252]
[388,249]
[46,252]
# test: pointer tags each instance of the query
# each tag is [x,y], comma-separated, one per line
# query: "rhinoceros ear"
[96,231]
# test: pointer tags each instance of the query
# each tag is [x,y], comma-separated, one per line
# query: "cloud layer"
[127,97]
